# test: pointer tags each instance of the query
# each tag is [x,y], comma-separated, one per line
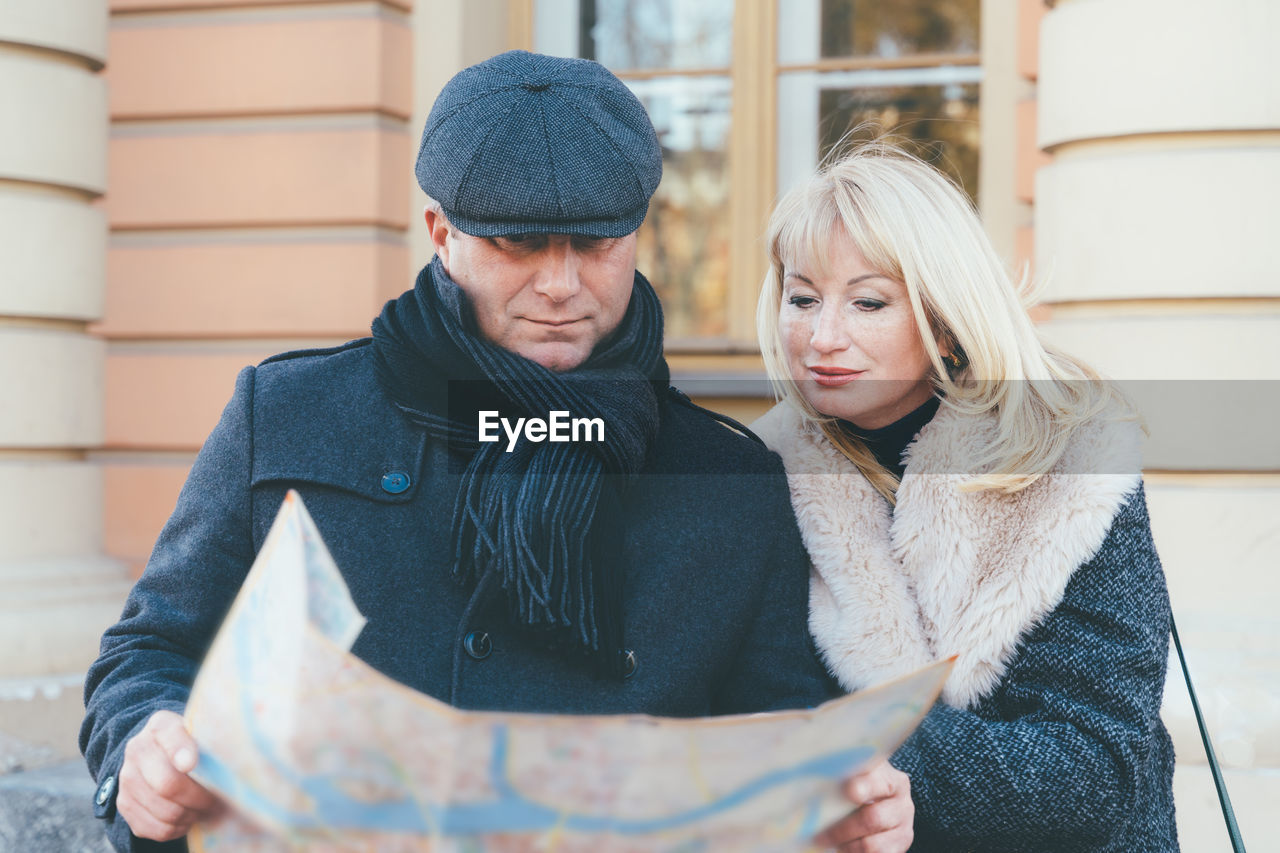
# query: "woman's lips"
[832,377]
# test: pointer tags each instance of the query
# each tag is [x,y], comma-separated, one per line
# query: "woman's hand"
[881,821]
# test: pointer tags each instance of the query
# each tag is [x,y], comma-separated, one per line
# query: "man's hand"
[882,817]
[157,798]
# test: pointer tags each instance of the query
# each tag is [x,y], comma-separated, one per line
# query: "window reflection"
[684,244]
[907,69]
[814,30]
[892,28]
[656,34]
[943,120]
[936,107]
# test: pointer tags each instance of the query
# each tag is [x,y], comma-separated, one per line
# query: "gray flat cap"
[524,143]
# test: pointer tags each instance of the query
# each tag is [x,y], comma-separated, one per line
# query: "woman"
[964,489]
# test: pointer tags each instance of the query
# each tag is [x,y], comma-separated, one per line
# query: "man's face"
[548,297]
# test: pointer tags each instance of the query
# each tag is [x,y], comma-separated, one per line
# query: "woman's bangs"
[860,224]
[804,237]
[806,220]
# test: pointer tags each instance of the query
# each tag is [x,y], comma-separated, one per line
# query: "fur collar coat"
[1049,736]
[947,572]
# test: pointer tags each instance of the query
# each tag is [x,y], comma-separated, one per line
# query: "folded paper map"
[318,751]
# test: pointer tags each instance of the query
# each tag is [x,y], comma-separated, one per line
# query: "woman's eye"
[865,304]
[801,301]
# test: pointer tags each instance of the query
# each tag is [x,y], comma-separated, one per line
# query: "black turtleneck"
[888,442]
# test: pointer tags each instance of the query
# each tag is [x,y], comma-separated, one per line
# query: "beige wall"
[1156,218]
[448,36]
[1008,152]
[258,203]
[57,591]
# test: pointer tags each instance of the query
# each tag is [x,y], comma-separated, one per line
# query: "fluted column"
[57,591]
[1156,220]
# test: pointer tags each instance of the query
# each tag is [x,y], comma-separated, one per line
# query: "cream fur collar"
[948,572]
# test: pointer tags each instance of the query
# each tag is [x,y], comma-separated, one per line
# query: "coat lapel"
[949,572]
[863,611]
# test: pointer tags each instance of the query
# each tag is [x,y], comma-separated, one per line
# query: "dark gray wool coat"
[1048,736]
[716,575]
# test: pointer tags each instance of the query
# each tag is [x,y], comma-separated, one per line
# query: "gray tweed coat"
[1049,736]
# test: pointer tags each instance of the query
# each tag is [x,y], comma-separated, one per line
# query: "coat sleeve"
[777,666]
[1069,738]
[148,660]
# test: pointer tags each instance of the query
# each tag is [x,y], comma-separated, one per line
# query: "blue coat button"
[477,644]
[629,663]
[395,482]
[104,790]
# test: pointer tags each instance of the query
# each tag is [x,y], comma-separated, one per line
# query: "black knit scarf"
[544,518]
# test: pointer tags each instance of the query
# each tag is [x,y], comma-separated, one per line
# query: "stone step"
[49,810]
[53,613]
[39,721]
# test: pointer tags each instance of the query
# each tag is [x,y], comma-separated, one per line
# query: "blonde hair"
[912,224]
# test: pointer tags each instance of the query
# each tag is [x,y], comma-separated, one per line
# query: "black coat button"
[395,482]
[629,663]
[477,644]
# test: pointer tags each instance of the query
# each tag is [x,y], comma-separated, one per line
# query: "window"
[747,96]
[906,67]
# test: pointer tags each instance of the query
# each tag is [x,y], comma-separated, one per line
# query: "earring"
[955,360]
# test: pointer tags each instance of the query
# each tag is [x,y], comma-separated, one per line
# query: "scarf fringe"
[544,518]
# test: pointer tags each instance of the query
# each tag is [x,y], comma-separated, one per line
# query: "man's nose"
[829,331]
[558,274]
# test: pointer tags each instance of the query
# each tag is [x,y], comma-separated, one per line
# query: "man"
[652,566]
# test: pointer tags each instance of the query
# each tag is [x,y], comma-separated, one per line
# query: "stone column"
[448,37]
[57,591]
[1157,223]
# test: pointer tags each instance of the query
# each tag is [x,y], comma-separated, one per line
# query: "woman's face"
[851,340]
